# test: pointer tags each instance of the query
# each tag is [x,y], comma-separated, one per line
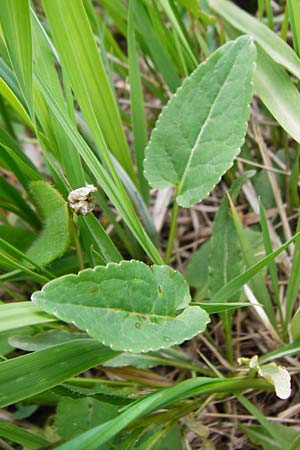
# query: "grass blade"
[275,88]
[233,286]
[15,22]
[28,375]
[22,314]
[276,48]
[294,15]
[81,60]
[139,123]
[21,436]
[98,436]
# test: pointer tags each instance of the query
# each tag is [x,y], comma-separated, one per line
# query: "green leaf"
[81,60]
[81,414]
[275,88]
[54,210]
[195,386]
[18,315]
[138,117]
[31,374]
[21,436]
[259,435]
[282,352]
[15,23]
[276,48]
[197,269]
[295,326]
[237,282]
[161,438]
[44,340]
[200,131]
[214,308]
[225,252]
[128,306]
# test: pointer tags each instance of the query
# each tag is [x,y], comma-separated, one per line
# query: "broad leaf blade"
[200,131]
[128,306]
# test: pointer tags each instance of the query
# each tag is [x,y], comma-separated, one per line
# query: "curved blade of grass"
[98,436]
[158,53]
[28,375]
[216,308]
[293,283]
[139,123]
[21,436]
[80,57]
[275,88]
[234,285]
[15,23]
[22,314]
[258,283]
[276,48]
[14,101]
[287,350]
[15,160]
[169,10]
[59,143]
[101,240]
[272,264]
[294,15]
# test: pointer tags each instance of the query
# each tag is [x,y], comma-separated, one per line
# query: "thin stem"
[227,334]
[173,229]
[77,245]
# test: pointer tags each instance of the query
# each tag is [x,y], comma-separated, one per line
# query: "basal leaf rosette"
[128,306]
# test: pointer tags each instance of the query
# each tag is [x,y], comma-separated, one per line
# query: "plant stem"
[77,245]
[172,232]
[227,322]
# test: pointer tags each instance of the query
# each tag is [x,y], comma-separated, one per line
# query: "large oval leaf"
[128,306]
[200,131]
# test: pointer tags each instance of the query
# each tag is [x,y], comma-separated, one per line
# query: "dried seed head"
[82,200]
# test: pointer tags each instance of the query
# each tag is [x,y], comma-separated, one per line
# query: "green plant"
[86,206]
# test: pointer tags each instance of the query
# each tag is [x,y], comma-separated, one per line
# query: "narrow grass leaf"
[294,15]
[196,386]
[28,375]
[15,23]
[258,282]
[22,314]
[235,284]
[278,92]
[158,53]
[275,47]
[139,123]
[81,60]
[293,282]
[21,436]
[272,264]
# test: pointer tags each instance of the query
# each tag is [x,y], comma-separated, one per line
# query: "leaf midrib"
[167,316]
[200,134]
